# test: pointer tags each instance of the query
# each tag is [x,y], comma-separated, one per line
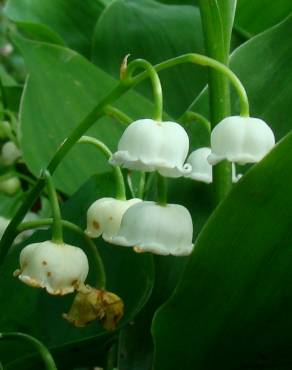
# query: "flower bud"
[92,304]
[201,168]
[147,145]
[150,227]
[241,140]
[59,268]
[10,186]
[104,217]
[10,153]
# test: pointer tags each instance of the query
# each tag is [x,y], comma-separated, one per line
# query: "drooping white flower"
[104,217]
[201,168]
[9,153]
[150,227]
[58,268]
[148,145]
[241,140]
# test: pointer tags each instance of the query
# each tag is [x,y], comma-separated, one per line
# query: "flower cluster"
[154,146]
[147,145]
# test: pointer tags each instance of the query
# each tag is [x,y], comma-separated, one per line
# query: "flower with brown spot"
[58,268]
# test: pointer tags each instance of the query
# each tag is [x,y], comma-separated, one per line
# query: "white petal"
[147,145]
[241,140]
[158,229]
[59,268]
[104,216]
[201,168]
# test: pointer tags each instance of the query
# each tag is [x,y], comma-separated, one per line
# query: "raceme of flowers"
[147,226]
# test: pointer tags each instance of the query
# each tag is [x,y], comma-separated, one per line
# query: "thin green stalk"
[156,85]
[66,146]
[218,46]
[57,230]
[141,185]
[120,89]
[118,115]
[161,190]
[39,346]
[97,260]
[190,116]
[119,178]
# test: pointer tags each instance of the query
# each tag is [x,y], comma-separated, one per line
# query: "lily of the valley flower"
[201,168]
[148,145]
[93,304]
[104,217]
[59,268]
[241,140]
[9,153]
[150,227]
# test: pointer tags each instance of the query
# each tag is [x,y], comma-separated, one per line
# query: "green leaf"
[136,344]
[132,280]
[263,64]
[233,304]
[271,13]
[153,31]
[62,88]
[58,21]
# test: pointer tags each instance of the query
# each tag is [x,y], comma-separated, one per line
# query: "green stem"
[119,178]
[218,47]
[141,185]
[118,115]
[57,230]
[97,260]
[120,89]
[190,116]
[156,85]
[161,190]
[40,347]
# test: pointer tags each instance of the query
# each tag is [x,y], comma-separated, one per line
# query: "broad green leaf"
[255,16]
[153,31]
[136,343]
[233,305]
[263,64]
[129,275]
[58,21]
[62,88]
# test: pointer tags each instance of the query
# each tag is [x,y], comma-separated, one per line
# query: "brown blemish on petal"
[49,273]
[96,225]
[74,283]
[138,249]
[44,263]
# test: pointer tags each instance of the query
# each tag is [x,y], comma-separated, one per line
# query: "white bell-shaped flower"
[59,268]
[201,168]
[148,145]
[241,140]
[9,153]
[150,227]
[104,217]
